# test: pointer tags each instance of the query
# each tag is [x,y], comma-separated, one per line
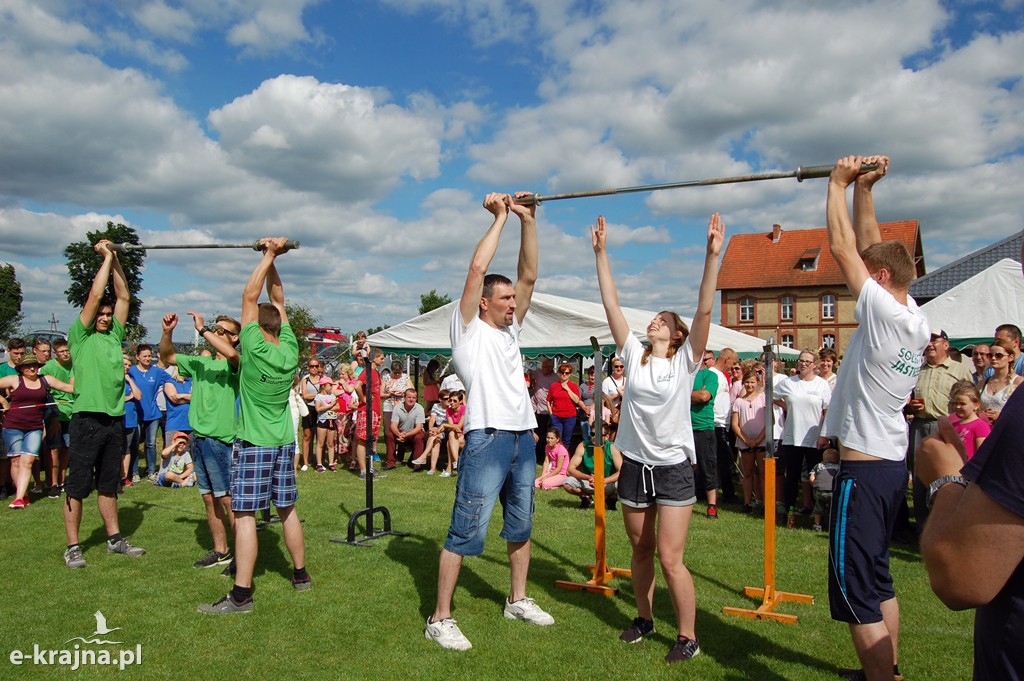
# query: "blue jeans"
[563,425]
[213,466]
[495,464]
[148,434]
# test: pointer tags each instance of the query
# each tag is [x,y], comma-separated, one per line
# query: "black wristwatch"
[206,329]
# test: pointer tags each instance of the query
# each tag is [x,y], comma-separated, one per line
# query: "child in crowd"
[179,471]
[326,403]
[435,433]
[965,399]
[821,482]
[456,418]
[347,401]
[748,424]
[553,473]
[580,479]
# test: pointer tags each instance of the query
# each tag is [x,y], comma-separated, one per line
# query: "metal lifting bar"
[801,173]
[121,248]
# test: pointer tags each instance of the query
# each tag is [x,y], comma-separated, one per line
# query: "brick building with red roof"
[786,284]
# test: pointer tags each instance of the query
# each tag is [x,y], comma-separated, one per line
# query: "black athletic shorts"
[94,458]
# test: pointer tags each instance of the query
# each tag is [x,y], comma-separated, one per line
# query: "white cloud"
[163,20]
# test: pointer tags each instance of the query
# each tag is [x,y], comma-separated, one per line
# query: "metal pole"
[801,173]
[121,248]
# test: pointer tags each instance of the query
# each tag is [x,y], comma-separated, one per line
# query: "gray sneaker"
[225,606]
[122,546]
[73,557]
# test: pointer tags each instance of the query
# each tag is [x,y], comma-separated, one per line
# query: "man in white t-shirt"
[880,369]
[498,458]
[451,383]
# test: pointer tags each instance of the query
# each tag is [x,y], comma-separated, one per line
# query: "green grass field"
[364,617]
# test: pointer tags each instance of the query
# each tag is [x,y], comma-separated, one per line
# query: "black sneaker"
[586,502]
[304,584]
[640,629]
[229,571]
[684,649]
[53,492]
[213,559]
[609,505]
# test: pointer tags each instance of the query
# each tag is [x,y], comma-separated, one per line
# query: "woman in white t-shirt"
[656,484]
[805,397]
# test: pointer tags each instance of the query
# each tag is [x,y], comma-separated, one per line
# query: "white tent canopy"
[554,325]
[970,311]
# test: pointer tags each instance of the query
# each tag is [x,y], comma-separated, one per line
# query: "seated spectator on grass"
[435,433]
[579,480]
[556,464]
[407,427]
[455,419]
[178,469]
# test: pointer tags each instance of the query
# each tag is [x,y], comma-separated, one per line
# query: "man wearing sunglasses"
[212,417]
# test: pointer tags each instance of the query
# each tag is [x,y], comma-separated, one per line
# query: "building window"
[746,309]
[828,340]
[787,340]
[828,306]
[786,305]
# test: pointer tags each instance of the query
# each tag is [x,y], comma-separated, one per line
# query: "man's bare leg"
[447,577]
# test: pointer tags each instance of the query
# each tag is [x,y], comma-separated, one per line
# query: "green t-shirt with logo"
[702,417]
[266,373]
[63,399]
[99,368]
[214,392]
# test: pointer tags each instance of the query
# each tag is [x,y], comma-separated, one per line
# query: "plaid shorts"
[262,474]
[361,424]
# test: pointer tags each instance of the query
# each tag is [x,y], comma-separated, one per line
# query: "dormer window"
[808,262]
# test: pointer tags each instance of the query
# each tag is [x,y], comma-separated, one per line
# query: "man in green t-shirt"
[97,417]
[263,465]
[702,418]
[212,417]
[60,368]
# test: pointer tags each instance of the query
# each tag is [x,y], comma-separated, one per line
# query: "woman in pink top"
[557,466]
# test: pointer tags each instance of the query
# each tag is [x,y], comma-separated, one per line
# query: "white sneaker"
[447,634]
[304,469]
[445,474]
[525,609]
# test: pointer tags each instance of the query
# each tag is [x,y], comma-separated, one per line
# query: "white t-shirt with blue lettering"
[879,373]
[654,423]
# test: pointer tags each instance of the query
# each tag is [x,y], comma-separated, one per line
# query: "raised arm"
[701,326]
[526,272]
[166,348]
[842,241]
[469,304]
[99,284]
[275,291]
[121,294]
[609,294]
[865,226]
[251,293]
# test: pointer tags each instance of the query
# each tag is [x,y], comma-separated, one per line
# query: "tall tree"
[432,301]
[83,263]
[301,318]
[10,302]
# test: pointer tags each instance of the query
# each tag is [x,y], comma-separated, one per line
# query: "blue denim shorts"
[213,466]
[262,474]
[20,442]
[494,465]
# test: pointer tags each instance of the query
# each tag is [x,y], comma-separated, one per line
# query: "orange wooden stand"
[602,574]
[769,596]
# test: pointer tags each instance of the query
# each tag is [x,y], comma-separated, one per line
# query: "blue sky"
[371,130]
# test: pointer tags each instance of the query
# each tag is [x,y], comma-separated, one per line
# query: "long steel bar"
[255,245]
[801,173]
